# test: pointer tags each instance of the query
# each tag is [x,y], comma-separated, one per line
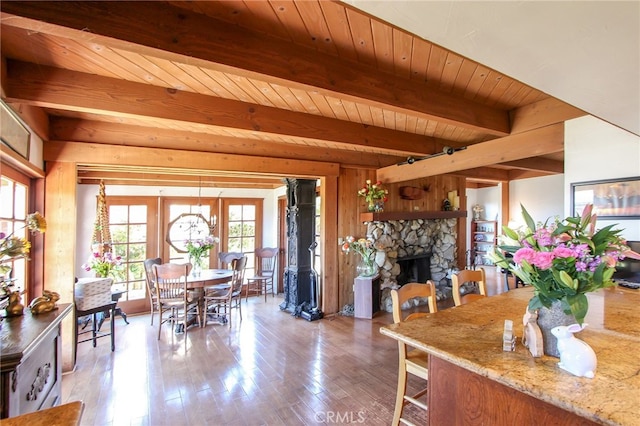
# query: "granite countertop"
[470,336]
[63,415]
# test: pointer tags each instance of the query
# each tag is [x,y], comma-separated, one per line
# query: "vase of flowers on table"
[367,266]
[102,264]
[374,195]
[198,249]
[562,261]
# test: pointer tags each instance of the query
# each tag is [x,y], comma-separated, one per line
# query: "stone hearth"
[396,239]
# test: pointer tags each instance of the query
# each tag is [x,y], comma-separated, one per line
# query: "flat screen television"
[629,269]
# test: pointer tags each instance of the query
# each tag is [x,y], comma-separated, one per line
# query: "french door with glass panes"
[241,228]
[180,215]
[133,222]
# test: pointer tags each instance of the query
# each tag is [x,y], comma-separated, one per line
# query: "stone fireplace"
[414,244]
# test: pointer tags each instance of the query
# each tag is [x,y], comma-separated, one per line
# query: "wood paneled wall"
[350,207]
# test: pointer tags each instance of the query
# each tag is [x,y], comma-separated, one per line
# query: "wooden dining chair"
[468,276]
[411,361]
[262,282]
[151,284]
[224,298]
[225,258]
[174,297]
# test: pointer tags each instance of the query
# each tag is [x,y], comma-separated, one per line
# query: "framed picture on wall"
[13,133]
[611,199]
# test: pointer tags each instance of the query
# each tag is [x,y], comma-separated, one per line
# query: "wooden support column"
[60,241]
[329,294]
[504,205]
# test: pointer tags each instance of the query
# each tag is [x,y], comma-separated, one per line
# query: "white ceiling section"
[586,53]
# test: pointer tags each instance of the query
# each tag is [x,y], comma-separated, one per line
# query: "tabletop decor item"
[365,248]
[198,248]
[477,212]
[563,261]
[45,303]
[374,195]
[13,247]
[103,265]
[576,356]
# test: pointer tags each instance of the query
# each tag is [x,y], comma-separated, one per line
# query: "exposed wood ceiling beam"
[83,153]
[538,164]
[111,133]
[516,174]
[180,35]
[537,142]
[57,88]
[542,113]
[155,178]
[484,174]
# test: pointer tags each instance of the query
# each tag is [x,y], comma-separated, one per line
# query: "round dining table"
[216,279]
[209,278]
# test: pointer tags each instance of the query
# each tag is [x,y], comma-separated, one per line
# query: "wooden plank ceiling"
[305,80]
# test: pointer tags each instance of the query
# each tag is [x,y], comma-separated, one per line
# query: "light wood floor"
[270,368]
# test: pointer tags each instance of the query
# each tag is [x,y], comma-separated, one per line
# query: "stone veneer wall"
[399,238]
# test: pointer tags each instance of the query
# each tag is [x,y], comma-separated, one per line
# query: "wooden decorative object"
[412,192]
[508,338]
[532,338]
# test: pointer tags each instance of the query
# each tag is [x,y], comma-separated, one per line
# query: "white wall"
[86,199]
[594,150]
[543,198]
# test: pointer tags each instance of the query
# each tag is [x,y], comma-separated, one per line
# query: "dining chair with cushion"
[225,258]
[262,282]
[151,284]
[223,298]
[465,276]
[174,296]
[411,360]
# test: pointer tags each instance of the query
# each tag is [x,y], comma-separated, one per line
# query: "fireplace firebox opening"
[414,269]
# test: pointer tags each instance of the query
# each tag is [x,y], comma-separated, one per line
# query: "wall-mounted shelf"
[386,216]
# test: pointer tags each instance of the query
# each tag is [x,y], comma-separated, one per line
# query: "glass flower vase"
[375,206]
[366,268]
[197,265]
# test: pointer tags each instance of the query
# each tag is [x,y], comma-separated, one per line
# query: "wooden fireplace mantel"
[385,216]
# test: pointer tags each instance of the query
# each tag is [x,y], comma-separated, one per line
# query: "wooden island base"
[460,397]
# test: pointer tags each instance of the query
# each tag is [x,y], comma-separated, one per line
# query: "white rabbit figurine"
[576,357]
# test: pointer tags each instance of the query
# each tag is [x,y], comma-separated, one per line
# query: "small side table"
[366,294]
